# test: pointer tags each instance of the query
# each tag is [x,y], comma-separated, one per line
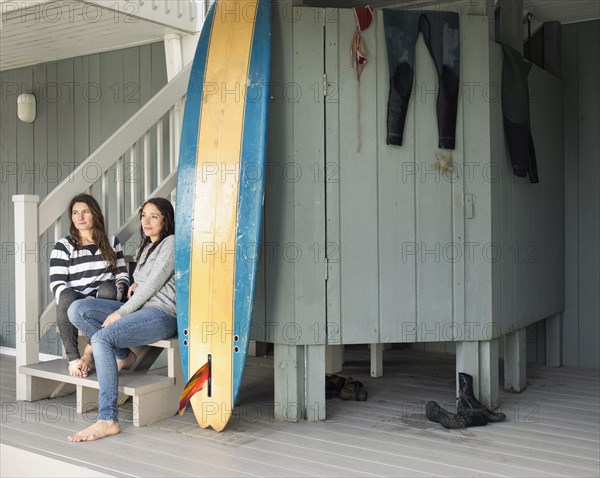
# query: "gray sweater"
[155,280]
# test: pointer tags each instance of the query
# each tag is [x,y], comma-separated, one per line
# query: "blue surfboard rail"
[186,185]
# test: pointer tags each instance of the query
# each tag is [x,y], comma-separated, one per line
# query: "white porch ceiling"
[36,31]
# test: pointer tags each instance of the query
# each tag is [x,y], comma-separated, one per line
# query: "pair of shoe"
[440,415]
[470,411]
[334,385]
[353,391]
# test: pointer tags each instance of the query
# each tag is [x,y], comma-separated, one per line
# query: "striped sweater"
[83,270]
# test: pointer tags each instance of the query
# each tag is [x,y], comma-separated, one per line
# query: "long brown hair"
[98,232]
[168,225]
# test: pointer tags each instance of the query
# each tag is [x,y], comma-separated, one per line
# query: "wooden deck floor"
[552,429]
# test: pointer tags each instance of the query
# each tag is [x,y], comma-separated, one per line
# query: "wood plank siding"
[581,73]
[412,254]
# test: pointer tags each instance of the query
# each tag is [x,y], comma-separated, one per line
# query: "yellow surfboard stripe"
[215,207]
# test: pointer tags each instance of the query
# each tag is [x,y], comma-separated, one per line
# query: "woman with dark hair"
[87,263]
[149,314]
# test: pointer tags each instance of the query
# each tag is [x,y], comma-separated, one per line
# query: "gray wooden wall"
[407,260]
[528,219]
[581,75]
[80,103]
[290,303]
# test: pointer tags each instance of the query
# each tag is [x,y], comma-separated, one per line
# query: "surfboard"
[220,195]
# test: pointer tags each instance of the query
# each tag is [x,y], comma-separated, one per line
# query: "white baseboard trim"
[13,353]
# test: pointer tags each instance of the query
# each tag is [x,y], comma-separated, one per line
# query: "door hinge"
[324,85]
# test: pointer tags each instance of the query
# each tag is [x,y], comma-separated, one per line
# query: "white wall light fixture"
[26,107]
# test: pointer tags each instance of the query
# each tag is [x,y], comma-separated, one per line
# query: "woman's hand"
[111,318]
[120,291]
[131,290]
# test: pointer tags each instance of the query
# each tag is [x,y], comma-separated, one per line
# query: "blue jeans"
[141,327]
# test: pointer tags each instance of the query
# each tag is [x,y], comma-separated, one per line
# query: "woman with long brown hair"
[149,314]
[85,264]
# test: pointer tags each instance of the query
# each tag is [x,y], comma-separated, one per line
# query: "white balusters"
[119,181]
[134,178]
[159,150]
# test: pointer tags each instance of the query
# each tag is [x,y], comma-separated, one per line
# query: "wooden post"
[377,360]
[289,383]
[26,288]
[334,358]
[257,348]
[315,382]
[488,373]
[480,359]
[553,339]
[299,382]
[515,361]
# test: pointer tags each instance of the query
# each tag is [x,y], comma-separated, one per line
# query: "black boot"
[353,390]
[469,405]
[437,414]
[473,418]
[333,385]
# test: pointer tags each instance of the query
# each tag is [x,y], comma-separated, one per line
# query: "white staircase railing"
[148,143]
[184,15]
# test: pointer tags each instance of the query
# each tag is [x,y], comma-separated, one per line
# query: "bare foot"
[75,368]
[100,429]
[126,362]
[87,361]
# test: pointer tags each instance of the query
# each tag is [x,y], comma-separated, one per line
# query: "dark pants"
[442,36]
[68,333]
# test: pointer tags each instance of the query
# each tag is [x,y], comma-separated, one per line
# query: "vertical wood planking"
[397,182]
[501,200]
[145,95]
[279,195]
[307,251]
[24,136]
[94,98]
[52,151]
[570,329]
[434,207]
[45,171]
[588,80]
[159,79]
[111,117]
[131,104]
[358,191]
[10,174]
[332,181]
[65,118]
[473,298]
[543,253]
[82,107]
